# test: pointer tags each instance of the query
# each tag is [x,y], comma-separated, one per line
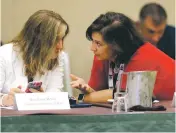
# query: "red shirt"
[147,57]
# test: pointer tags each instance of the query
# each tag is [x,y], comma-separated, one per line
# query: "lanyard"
[112,72]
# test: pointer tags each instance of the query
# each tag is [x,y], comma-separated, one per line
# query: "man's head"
[152,22]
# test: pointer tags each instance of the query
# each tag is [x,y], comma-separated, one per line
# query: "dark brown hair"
[117,30]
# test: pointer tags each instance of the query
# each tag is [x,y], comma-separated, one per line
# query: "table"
[93,119]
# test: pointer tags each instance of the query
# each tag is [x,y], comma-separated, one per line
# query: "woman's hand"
[77,82]
[80,84]
[36,91]
[34,87]
[8,100]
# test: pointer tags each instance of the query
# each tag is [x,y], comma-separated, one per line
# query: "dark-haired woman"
[115,43]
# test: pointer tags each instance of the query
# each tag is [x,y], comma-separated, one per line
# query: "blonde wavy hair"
[37,41]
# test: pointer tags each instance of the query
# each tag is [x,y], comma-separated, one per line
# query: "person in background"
[33,55]
[116,42]
[153,27]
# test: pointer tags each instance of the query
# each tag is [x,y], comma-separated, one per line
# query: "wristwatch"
[81,98]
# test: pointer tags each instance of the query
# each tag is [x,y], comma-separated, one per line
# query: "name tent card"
[42,101]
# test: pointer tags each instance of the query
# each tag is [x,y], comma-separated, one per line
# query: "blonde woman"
[34,55]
